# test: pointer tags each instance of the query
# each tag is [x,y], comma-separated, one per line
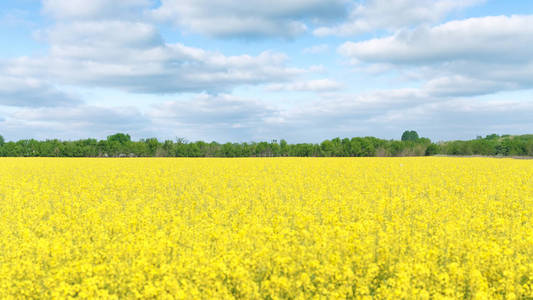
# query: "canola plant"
[251,228]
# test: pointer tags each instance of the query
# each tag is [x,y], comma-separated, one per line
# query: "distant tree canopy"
[121,138]
[120,144]
[493,144]
[410,135]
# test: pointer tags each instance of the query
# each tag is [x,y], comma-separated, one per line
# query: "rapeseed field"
[298,228]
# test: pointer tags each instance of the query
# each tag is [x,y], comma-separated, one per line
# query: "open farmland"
[266,228]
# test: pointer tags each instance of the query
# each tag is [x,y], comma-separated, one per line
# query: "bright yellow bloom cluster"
[325,228]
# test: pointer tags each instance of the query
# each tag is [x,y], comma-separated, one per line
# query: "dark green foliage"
[283,148]
[493,144]
[120,138]
[121,145]
[432,149]
[410,135]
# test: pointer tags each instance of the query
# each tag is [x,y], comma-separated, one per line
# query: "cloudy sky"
[300,70]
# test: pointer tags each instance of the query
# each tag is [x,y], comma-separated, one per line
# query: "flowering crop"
[357,228]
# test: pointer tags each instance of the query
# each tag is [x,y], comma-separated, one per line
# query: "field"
[356,228]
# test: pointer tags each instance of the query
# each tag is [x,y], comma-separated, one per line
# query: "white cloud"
[341,107]
[27,91]
[133,57]
[208,117]
[115,45]
[249,19]
[458,85]
[229,118]
[93,9]
[463,118]
[461,58]
[474,39]
[374,15]
[109,44]
[74,122]
[317,85]
[211,109]
[387,113]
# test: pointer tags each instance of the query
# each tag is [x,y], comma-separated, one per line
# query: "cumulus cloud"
[133,57]
[31,92]
[467,57]
[80,121]
[387,113]
[463,118]
[373,15]
[317,85]
[457,85]
[110,44]
[251,19]
[341,107]
[103,36]
[94,9]
[229,118]
[209,117]
[450,70]
[476,39]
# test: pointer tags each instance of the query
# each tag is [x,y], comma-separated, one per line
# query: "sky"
[261,70]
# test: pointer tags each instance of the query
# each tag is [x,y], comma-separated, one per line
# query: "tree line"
[410,144]
[491,145]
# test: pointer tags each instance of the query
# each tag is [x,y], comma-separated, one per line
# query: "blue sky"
[301,70]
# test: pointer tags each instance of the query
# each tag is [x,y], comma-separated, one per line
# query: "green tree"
[262,149]
[195,149]
[121,144]
[284,148]
[410,135]
[432,149]
[228,150]
[180,147]
[367,147]
[275,147]
[396,148]
[327,148]
[152,144]
[121,138]
[337,147]
[167,148]
[355,147]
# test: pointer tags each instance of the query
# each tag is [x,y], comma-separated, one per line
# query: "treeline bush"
[491,145]
[121,145]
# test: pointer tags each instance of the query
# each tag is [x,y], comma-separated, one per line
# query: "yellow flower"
[335,228]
